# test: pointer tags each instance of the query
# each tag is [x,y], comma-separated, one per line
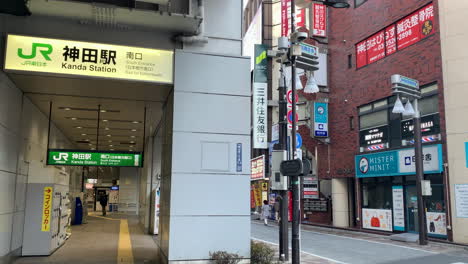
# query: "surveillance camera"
[299,36]
[283,43]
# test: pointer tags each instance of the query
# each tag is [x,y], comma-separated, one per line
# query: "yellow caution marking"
[124,254]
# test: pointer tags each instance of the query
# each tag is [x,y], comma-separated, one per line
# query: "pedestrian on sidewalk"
[103,202]
[265,212]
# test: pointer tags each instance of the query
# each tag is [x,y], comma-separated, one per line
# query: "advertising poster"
[436,224]
[461,200]
[398,209]
[46,209]
[376,47]
[286,17]
[257,168]
[377,219]
[252,196]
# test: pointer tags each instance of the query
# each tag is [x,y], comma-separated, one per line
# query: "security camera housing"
[298,37]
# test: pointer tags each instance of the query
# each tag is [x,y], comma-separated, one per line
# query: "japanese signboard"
[398,162]
[319,28]
[46,209]
[84,158]
[430,125]
[377,135]
[461,200]
[398,208]
[286,17]
[377,219]
[69,57]
[466,153]
[320,119]
[260,99]
[311,187]
[397,36]
[257,167]
[239,157]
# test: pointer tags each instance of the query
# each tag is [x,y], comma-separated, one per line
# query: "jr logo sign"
[61,156]
[44,49]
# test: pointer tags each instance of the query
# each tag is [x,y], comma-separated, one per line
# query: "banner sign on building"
[260,98]
[46,209]
[373,136]
[70,57]
[398,208]
[377,219]
[398,162]
[430,125]
[286,18]
[86,158]
[319,28]
[461,200]
[403,33]
[257,168]
[320,119]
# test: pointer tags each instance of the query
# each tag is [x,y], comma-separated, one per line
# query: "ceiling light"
[132,136]
[93,149]
[135,122]
[83,134]
[110,141]
[73,118]
[132,141]
[130,150]
[131,146]
[111,149]
[111,145]
[79,127]
[103,111]
[109,135]
[90,144]
[105,120]
[134,130]
[107,128]
[67,109]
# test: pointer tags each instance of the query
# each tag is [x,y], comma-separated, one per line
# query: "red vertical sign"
[286,18]
[375,47]
[361,54]
[320,20]
[390,39]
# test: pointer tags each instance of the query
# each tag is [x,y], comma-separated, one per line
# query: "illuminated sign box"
[86,158]
[69,57]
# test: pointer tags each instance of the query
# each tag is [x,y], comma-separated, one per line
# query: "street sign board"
[298,140]
[309,49]
[320,119]
[89,158]
[400,80]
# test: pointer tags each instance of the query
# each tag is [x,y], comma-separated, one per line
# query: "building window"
[350,61]
[377,193]
[351,122]
[358,3]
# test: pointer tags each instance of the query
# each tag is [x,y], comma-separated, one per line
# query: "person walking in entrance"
[103,202]
[265,212]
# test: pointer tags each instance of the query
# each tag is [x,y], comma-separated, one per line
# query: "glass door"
[412,208]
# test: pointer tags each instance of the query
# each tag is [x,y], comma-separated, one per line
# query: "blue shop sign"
[398,162]
[320,119]
[466,153]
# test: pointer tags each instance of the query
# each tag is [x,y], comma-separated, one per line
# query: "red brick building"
[368,43]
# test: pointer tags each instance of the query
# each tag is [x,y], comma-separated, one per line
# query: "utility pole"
[296,234]
[283,139]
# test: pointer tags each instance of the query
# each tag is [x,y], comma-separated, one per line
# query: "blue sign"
[398,162]
[114,188]
[298,140]
[239,157]
[466,153]
[320,119]
[309,49]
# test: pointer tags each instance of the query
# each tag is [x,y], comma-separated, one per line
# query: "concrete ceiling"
[75,104]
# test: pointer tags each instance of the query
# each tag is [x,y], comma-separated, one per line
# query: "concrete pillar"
[340,202]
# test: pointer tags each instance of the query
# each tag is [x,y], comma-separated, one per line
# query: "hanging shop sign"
[69,57]
[377,219]
[466,153]
[257,166]
[260,98]
[436,224]
[319,28]
[46,209]
[85,158]
[398,162]
[286,17]
[430,125]
[373,136]
[320,119]
[311,187]
[398,208]
[461,200]
[403,33]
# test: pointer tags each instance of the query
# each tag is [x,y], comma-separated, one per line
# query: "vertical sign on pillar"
[398,208]
[46,209]
[320,119]
[260,98]
[319,28]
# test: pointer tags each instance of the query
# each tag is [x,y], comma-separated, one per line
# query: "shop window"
[373,119]
[435,203]
[378,194]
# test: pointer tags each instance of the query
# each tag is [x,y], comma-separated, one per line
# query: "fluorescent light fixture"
[132,142]
[132,136]
[111,145]
[109,135]
[106,128]
[134,130]
[73,118]
[105,120]
[90,144]
[135,122]
[398,107]
[83,134]
[110,141]
[93,149]
[111,149]
[67,109]
[78,127]
[103,111]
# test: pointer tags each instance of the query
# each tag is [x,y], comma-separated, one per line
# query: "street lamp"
[410,88]
[337,3]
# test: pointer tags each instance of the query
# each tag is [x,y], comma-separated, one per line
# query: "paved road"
[350,250]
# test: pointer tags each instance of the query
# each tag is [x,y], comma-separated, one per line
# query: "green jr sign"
[83,158]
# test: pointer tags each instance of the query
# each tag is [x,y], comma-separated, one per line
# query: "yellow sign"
[264,186]
[258,196]
[46,209]
[67,57]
